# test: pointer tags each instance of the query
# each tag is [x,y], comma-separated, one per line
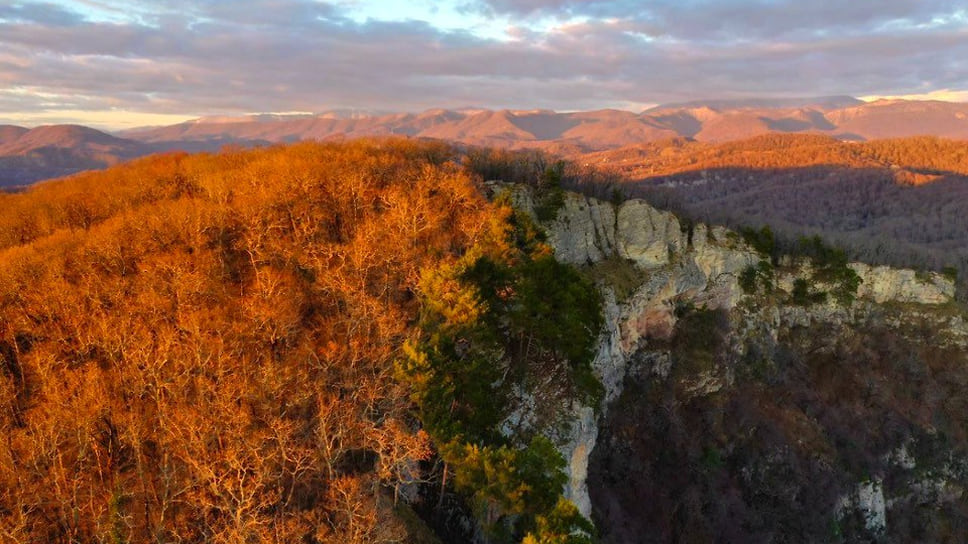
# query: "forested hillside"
[900,202]
[231,348]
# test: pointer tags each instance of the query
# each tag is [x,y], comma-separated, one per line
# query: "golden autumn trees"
[199,348]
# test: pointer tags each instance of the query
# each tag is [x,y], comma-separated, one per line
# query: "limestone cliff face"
[587,231]
[686,277]
[885,284]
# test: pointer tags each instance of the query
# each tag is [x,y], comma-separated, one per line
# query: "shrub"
[747,279]
[804,295]
[761,240]
[754,276]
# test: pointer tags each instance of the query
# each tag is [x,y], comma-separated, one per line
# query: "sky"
[118,64]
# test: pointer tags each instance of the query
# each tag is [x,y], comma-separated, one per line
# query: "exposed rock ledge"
[588,230]
[885,284]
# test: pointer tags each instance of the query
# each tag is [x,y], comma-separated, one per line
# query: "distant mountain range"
[30,155]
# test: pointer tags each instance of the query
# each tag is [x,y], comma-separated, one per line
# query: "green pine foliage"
[563,525]
[509,487]
[501,312]
[557,308]
[549,194]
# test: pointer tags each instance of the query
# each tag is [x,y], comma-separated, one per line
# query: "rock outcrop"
[885,284]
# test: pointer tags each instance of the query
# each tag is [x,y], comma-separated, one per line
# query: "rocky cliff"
[751,415]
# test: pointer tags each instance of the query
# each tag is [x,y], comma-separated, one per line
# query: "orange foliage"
[911,157]
[197,348]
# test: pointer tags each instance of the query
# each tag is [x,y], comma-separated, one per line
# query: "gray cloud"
[177,56]
[737,19]
[42,13]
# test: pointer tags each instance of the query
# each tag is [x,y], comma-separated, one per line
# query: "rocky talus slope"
[748,415]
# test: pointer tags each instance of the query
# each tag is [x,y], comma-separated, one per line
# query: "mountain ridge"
[72,148]
[829,102]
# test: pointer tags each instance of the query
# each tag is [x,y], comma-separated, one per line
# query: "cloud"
[215,57]
[708,20]
[40,13]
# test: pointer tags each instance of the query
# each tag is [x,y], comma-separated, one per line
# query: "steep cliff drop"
[750,399]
